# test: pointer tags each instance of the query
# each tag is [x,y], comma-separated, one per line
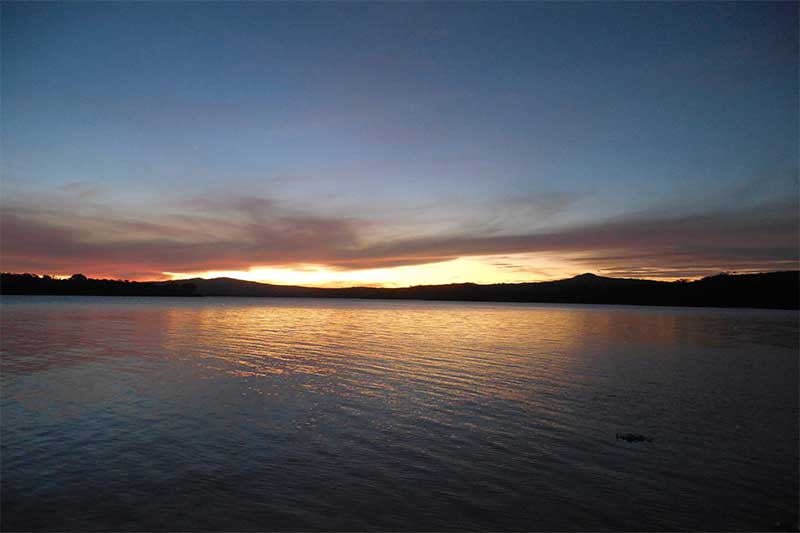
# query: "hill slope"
[780,290]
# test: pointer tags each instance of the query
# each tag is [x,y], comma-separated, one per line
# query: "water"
[281,414]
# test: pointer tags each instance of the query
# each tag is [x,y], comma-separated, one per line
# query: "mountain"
[779,290]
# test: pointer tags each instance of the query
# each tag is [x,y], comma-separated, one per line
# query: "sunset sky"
[399,143]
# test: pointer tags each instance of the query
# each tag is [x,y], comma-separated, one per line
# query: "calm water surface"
[281,414]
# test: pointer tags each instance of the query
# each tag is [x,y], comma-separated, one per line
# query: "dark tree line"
[778,290]
[79,284]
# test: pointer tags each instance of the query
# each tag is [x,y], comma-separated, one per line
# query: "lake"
[245,414]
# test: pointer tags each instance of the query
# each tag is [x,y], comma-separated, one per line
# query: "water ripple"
[261,414]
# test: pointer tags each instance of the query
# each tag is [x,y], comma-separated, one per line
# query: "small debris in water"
[633,437]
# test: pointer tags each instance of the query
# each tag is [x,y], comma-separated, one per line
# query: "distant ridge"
[777,290]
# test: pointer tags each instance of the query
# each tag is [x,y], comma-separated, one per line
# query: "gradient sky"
[399,143]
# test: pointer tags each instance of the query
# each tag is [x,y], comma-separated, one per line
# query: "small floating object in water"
[633,437]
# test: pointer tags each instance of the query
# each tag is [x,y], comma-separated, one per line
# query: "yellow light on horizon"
[483,270]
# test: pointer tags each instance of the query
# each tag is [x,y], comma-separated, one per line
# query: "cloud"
[239,233]
[81,189]
[763,236]
[233,236]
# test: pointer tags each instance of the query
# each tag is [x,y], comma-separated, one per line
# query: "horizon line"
[584,274]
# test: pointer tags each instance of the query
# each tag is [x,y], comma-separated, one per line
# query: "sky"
[395,144]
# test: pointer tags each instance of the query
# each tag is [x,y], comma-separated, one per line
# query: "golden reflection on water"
[470,351]
[471,347]
[310,399]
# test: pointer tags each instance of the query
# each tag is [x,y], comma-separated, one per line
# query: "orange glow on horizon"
[482,270]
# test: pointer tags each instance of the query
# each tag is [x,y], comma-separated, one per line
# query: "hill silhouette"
[778,290]
[79,284]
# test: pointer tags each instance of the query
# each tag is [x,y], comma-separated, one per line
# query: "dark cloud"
[240,233]
[38,241]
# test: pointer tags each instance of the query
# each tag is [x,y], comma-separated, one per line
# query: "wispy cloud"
[239,233]
[233,236]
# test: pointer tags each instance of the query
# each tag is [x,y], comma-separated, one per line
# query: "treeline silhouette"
[778,290]
[79,284]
